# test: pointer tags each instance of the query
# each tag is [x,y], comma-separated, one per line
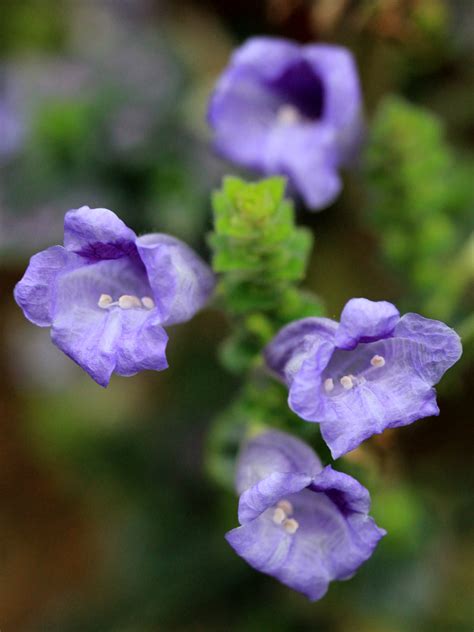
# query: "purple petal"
[142,343]
[34,293]
[307,154]
[307,396]
[334,535]
[268,492]
[267,56]
[270,452]
[90,339]
[269,549]
[347,494]
[364,321]
[97,233]
[181,281]
[439,346]
[242,110]
[282,108]
[352,502]
[294,342]
[391,396]
[342,95]
[104,340]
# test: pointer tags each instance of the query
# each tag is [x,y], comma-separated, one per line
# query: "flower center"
[281,516]
[126,301]
[289,115]
[349,381]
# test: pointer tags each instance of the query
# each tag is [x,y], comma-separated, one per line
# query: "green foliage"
[260,255]
[420,200]
[256,244]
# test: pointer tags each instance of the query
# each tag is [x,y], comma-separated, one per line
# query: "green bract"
[260,254]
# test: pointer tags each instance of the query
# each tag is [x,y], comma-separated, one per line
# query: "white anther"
[328,384]
[148,302]
[377,361]
[290,525]
[347,382]
[127,301]
[286,506]
[289,115]
[279,515]
[105,300]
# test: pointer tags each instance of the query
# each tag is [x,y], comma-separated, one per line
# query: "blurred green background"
[109,517]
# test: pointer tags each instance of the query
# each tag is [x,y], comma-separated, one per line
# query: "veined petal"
[307,397]
[274,451]
[347,494]
[364,321]
[291,346]
[90,339]
[438,348]
[268,492]
[304,531]
[331,541]
[97,233]
[181,281]
[391,396]
[35,292]
[269,549]
[93,337]
[361,535]
[142,343]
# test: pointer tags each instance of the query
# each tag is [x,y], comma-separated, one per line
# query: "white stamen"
[328,384]
[347,382]
[286,506]
[148,302]
[127,301]
[105,300]
[377,361]
[290,525]
[289,115]
[279,515]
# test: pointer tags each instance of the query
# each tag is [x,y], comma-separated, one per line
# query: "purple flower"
[373,370]
[303,524]
[282,108]
[107,293]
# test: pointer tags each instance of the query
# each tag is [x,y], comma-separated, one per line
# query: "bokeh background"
[111,519]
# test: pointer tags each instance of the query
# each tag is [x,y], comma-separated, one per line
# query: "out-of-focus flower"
[373,370]
[301,523]
[11,131]
[281,108]
[107,293]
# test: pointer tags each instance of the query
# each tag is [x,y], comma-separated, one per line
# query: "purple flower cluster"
[301,523]
[107,294]
[304,524]
[282,108]
[372,370]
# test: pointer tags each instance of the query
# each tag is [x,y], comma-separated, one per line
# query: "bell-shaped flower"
[107,294]
[301,523]
[282,108]
[372,370]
